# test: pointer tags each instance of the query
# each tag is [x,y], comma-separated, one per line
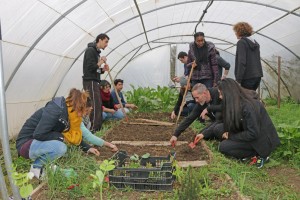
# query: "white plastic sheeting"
[44,41]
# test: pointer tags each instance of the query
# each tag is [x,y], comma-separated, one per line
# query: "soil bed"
[126,132]
[183,152]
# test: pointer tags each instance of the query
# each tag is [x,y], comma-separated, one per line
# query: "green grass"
[253,182]
[258,183]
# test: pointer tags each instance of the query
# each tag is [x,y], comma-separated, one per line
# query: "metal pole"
[4,129]
[3,188]
[278,96]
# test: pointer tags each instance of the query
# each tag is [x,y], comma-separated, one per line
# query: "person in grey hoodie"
[248,68]
[92,69]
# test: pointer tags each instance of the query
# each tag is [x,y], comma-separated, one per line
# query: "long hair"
[234,97]
[78,100]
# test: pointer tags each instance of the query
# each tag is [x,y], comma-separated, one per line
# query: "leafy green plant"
[148,99]
[135,160]
[105,167]
[22,181]
[178,173]
[189,186]
[290,138]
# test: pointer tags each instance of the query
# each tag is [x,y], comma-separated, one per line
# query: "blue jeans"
[46,151]
[187,109]
[117,115]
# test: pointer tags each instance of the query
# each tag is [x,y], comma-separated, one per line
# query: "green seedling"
[105,167]
[22,181]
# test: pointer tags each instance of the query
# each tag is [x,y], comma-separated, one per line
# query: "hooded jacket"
[47,123]
[91,71]
[258,129]
[247,60]
[205,71]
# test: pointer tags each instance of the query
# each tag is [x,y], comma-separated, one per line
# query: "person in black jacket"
[189,100]
[92,63]
[41,138]
[222,64]
[208,104]
[248,129]
[248,68]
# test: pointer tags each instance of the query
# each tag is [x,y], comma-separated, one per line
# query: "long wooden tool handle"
[185,91]
[118,97]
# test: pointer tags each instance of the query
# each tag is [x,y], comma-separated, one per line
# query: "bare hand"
[199,136]
[176,79]
[223,77]
[112,111]
[173,140]
[93,151]
[173,116]
[100,62]
[106,67]
[114,148]
[133,106]
[194,64]
[204,112]
[103,58]
[118,106]
[225,135]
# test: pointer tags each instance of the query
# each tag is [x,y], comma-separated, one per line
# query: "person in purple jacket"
[206,71]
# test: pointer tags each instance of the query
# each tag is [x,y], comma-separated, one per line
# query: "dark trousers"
[93,88]
[214,131]
[251,84]
[207,82]
[236,149]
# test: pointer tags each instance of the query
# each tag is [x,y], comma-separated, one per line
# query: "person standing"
[92,63]
[248,68]
[206,71]
[222,64]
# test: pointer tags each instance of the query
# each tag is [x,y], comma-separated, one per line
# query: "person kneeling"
[43,136]
[248,129]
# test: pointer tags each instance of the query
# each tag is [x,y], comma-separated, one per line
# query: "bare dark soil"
[183,152]
[127,132]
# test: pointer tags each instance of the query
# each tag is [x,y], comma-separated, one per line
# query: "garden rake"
[185,91]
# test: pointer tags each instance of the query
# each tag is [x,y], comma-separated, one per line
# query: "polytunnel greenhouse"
[45,47]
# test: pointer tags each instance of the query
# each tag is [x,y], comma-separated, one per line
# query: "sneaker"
[261,161]
[37,172]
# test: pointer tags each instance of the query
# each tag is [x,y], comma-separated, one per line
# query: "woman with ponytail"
[43,136]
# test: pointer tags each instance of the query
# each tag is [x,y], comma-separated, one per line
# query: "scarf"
[105,96]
